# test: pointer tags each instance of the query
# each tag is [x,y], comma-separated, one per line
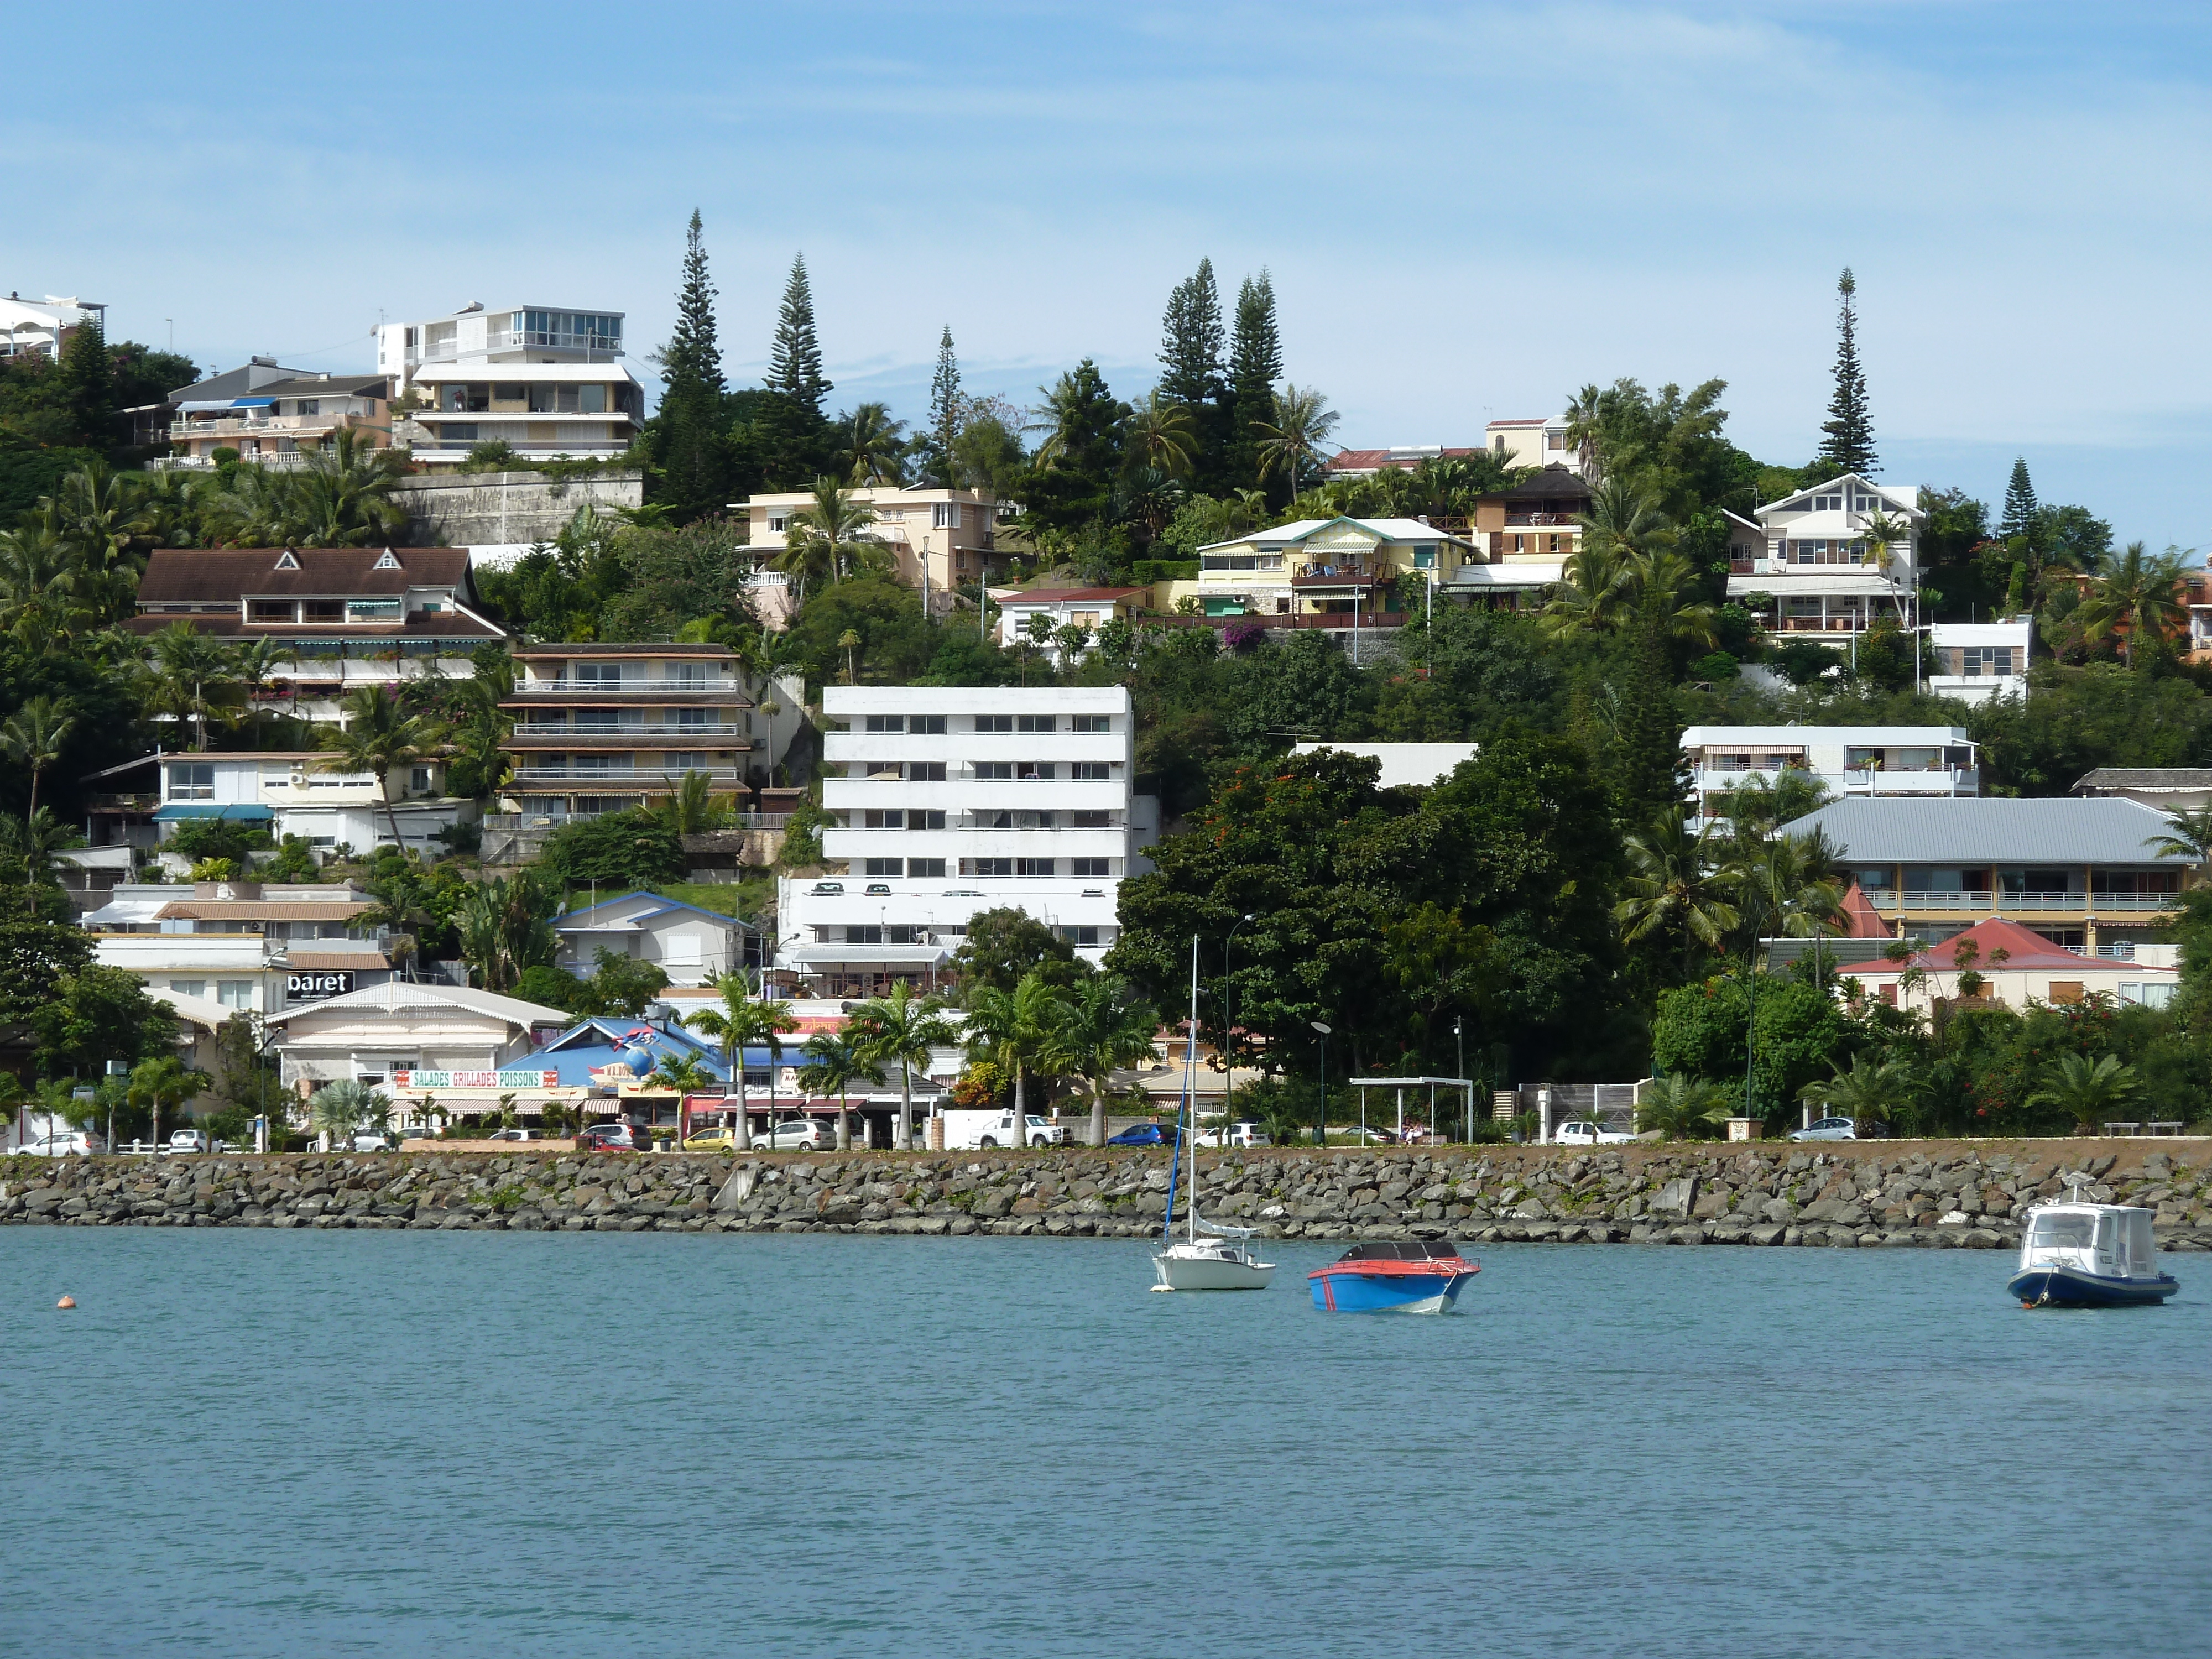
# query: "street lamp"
[1228,1046]
[1459,1038]
[1320,1110]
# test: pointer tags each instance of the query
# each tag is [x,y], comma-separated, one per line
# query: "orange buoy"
[66,1301]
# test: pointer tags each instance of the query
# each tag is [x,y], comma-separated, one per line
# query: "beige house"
[277,422]
[1536,441]
[950,533]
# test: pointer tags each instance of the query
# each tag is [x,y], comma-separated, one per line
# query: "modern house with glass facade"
[549,383]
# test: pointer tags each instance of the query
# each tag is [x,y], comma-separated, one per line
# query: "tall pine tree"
[1191,340]
[2021,509]
[944,407]
[1847,443]
[692,456]
[795,361]
[1255,363]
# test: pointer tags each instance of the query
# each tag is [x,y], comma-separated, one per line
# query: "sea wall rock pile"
[1920,1192]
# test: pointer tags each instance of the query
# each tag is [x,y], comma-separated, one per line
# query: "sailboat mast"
[1190,1093]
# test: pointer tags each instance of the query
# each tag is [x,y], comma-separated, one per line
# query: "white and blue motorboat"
[2073,1253]
[1394,1276]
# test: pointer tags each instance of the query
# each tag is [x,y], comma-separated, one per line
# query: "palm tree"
[193,677]
[2188,836]
[682,1074]
[35,738]
[1584,409]
[1787,887]
[1163,434]
[1883,533]
[31,844]
[1103,1025]
[741,1023]
[43,598]
[337,1109]
[343,493]
[836,520]
[901,1030]
[506,928]
[1595,592]
[875,442]
[2088,1090]
[834,1064]
[1682,1108]
[256,663]
[1303,422]
[691,807]
[2140,600]
[1018,1030]
[378,738]
[255,507]
[1662,577]
[1871,1091]
[849,643]
[1673,884]
[1626,520]
[163,1082]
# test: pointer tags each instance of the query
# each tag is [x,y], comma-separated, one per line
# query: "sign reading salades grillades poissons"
[475,1079]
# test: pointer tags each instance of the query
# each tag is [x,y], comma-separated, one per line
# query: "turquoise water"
[250,1443]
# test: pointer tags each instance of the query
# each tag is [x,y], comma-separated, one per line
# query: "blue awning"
[252,403]
[237,814]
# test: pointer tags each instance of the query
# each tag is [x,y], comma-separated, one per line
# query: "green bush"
[618,850]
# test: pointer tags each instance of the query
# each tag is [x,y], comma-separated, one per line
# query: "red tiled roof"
[1358,460]
[2023,949]
[1865,921]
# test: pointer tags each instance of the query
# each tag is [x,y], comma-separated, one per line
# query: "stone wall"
[1924,1193]
[479,509]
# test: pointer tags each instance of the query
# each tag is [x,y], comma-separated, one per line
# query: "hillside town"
[490,743]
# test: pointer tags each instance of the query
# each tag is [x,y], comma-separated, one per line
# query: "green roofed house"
[1319,572]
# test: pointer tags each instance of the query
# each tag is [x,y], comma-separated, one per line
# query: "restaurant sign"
[475,1079]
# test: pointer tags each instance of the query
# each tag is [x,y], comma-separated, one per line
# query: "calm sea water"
[250,1443]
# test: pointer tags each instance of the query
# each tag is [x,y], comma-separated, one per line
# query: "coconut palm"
[44,601]
[1626,520]
[2139,600]
[1585,410]
[255,664]
[834,1064]
[193,679]
[1870,1091]
[1103,1024]
[1662,577]
[1673,883]
[342,496]
[849,643]
[2089,1090]
[742,1023]
[165,1082]
[1787,887]
[35,736]
[255,507]
[1163,434]
[901,1030]
[692,806]
[835,520]
[2188,836]
[506,928]
[877,445]
[379,738]
[1682,1108]
[1294,437]
[1019,1029]
[1595,593]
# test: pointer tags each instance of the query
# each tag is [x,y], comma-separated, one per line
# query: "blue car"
[1143,1134]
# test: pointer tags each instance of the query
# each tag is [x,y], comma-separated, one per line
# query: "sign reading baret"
[313,987]
[475,1079]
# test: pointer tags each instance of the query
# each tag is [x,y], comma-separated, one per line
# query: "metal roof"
[1978,832]
[2151,779]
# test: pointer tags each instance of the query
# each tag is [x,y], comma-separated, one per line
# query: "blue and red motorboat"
[1415,1275]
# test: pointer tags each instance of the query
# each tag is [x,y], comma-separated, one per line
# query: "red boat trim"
[1431,1267]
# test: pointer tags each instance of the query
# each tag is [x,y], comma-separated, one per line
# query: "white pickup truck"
[965,1131]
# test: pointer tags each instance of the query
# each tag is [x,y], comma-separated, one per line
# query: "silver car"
[797,1134]
[1827,1129]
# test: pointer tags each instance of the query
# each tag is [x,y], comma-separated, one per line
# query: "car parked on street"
[1827,1129]
[611,1138]
[1243,1134]
[187,1140]
[371,1141]
[64,1143]
[797,1134]
[711,1137]
[516,1134]
[1586,1134]
[1139,1135]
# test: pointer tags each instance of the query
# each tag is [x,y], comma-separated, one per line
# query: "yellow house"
[1322,567]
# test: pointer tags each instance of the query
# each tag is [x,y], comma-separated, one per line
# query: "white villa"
[1820,574]
[1847,760]
[550,384]
[287,794]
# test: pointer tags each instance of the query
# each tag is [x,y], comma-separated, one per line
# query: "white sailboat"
[1209,1257]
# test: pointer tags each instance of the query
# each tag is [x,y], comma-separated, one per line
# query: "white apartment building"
[289,794]
[231,946]
[45,330]
[1975,662]
[949,800]
[1819,574]
[550,383]
[1848,760]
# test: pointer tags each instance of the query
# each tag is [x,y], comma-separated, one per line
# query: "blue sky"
[1469,210]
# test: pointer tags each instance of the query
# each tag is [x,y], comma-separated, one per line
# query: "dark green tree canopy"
[1192,339]
[1005,945]
[794,359]
[2021,508]
[1847,440]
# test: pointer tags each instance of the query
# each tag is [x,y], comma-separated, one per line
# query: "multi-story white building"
[1848,760]
[550,384]
[951,800]
[289,793]
[225,947]
[1821,574]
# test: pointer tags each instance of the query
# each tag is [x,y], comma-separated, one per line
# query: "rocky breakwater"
[1925,1193]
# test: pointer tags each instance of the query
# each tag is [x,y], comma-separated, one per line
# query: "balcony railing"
[720,737]
[1885,900]
[628,690]
[631,777]
[1340,575]
[1524,520]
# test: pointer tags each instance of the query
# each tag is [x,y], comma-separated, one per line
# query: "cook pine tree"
[945,411]
[1847,443]
[795,440]
[1255,364]
[693,460]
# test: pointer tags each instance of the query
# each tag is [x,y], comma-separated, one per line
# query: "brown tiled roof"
[257,910]
[174,573]
[326,962]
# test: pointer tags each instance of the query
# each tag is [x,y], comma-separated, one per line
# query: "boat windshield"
[2063,1232]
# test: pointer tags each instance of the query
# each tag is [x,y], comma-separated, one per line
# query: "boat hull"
[1189,1273]
[1336,1289]
[2069,1287]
